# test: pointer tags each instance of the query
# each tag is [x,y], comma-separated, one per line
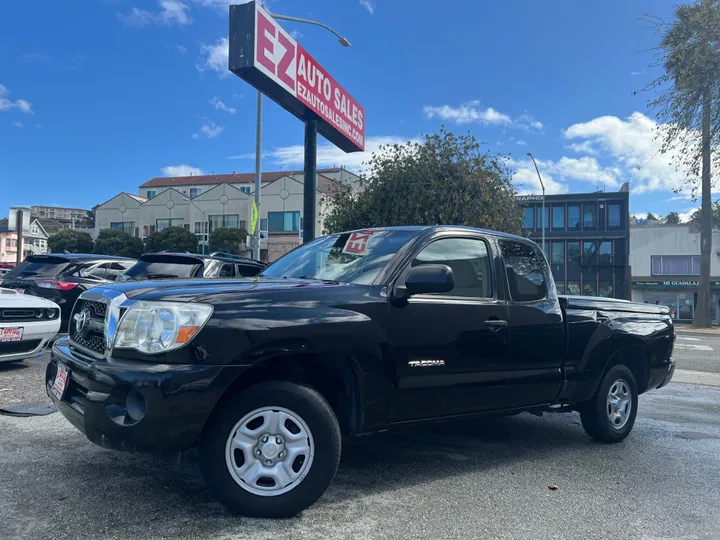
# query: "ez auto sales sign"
[266,56]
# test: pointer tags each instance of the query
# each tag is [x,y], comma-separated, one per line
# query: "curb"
[691,330]
[686,376]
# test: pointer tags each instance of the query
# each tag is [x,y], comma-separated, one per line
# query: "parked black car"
[356,332]
[171,265]
[63,277]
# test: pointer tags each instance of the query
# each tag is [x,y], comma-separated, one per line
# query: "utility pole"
[543,201]
[258,175]
[19,227]
[310,178]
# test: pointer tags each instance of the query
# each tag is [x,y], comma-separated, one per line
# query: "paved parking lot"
[470,480]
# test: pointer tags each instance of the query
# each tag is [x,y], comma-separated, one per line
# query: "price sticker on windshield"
[357,243]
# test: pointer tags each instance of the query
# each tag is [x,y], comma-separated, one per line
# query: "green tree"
[171,239]
[70,241]
[688,105]
[446,179]
[652,217]
[120,243]
[228,240]
[696,218]
[673,218]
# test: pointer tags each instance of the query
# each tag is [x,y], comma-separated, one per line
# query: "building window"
[573,287]
[263,225]
[589,253]
[614,219]
[201,227]
[8,243]
[150,193]
[195,191]
[169,222]
[246,189]
[528,217]
[589,288]
[35,229]
[675,265]
[124,226]
[605,253]
[558,252]
[605,289]
[590,216]
[573,252]
[558,217]
[560,286]
[540,218]
[227,221]
[283,222]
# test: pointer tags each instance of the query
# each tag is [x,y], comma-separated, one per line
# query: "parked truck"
[352,333]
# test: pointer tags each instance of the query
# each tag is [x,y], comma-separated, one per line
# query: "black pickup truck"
[352,333]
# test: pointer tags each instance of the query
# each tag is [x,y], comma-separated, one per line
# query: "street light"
[310,131]
[543,200]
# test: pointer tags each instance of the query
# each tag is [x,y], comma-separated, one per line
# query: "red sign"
[357,243]
[286,72]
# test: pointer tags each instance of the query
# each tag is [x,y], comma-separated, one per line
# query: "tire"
[607,422]
[232,449]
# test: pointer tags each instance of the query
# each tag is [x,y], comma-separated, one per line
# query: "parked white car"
[27,325]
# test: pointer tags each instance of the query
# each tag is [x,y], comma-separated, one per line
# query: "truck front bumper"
[137,406]
[661,375]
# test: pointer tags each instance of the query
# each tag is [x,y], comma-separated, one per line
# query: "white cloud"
[583,148]
[182,170]
[296,35]
[7,104]
[220,106]
[17,124]
[181,49]
[208,130]
[251,155]
[685,217]
[467,113]
[633,144]
[329,155]
[586,169]
[215,57]
[526,180]
[520,142]
[636,73]
[369,5]
[172,13]
[528,123]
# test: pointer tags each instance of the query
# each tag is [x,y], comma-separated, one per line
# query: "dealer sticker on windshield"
[357,243]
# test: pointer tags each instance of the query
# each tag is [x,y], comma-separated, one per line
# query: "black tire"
[312,408]
[594,413]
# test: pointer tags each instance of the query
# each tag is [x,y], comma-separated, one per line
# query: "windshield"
[356,257]
[172,267]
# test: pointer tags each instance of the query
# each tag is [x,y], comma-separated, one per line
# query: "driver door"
[449,350]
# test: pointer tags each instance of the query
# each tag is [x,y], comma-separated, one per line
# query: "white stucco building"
[204,203]
[665,265]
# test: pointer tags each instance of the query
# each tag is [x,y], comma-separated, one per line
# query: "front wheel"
[271,450]
[610,415]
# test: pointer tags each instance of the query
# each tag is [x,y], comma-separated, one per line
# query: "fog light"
[135,405]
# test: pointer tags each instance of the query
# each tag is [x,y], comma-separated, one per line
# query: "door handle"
[495,324]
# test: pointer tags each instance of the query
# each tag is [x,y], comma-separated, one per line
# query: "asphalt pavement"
[460,480]
[697,351]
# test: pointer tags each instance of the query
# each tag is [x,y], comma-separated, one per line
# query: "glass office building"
[587,240]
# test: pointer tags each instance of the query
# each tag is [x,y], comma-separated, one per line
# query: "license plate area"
[61,381]
[10,334]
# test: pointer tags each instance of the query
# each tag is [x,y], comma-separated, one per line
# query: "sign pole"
[310,180]
[258,179]
[19,226]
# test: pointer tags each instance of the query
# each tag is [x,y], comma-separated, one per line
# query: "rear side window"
[34,267]
[526,271]
[247,270]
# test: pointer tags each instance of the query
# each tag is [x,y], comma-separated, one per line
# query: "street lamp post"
[543,199]
[310,167]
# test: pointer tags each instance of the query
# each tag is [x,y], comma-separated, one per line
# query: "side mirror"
[430,278]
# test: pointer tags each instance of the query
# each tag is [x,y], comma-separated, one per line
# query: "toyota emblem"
[81,320]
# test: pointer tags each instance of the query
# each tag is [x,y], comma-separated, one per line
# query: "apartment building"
[61,213]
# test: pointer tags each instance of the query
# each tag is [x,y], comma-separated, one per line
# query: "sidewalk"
[683,329]
[685,376]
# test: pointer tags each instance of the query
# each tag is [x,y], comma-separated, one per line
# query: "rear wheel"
[271,450]
[610,415]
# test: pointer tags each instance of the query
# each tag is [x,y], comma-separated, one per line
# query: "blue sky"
[98,96]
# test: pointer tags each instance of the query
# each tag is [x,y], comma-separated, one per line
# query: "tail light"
[57,285]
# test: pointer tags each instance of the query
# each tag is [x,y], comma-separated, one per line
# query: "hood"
[188,290]
[13,299]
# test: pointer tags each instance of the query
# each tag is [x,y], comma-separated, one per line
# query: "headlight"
[157,327]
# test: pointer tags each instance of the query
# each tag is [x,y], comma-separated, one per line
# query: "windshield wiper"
[319,279]
[160,276]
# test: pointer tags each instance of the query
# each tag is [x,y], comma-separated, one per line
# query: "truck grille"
[92,334]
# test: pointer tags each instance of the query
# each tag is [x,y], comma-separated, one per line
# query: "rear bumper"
[101,400]
[661,375]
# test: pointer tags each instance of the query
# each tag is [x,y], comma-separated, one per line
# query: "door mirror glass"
[430,278]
